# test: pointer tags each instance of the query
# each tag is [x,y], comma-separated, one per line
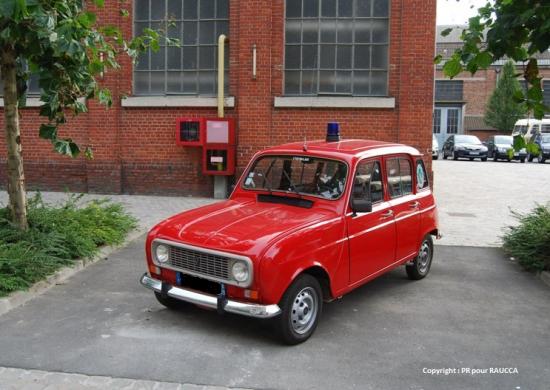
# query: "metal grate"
[199,262]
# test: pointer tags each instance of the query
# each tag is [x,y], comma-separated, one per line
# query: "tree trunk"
[16,177]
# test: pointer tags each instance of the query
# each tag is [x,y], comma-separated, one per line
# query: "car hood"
[471,146]
[246,228]
[504,145]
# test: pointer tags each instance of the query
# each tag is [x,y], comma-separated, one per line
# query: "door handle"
[414,205]
[387,214]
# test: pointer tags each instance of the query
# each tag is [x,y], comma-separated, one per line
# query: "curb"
[19,298]
[545,277]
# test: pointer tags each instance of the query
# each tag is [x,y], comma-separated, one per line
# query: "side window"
[368,182]
[421,177]
[399,177]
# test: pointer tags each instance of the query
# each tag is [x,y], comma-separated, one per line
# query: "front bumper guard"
[210,301]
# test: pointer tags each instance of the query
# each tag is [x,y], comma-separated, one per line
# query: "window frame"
[317,70]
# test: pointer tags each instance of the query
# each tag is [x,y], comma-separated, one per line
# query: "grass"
[529,241]
[57,236]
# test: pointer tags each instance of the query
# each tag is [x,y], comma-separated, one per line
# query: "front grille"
[199,263]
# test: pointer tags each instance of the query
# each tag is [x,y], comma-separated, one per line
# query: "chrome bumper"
[211,301]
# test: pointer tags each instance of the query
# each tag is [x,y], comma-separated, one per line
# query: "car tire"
[455,156]
[170,302]
[483,158]
[422,263]
[444,156]
[436,157]
[495,157]
[522,160]
[530,157]
[541,159]
[301,306]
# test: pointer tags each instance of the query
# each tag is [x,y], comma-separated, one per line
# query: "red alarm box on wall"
[190,131]
[219,147]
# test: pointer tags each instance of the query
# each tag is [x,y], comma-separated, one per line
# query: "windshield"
[504,140]
[520,129]
[299,174]
[545,139]
[467,139]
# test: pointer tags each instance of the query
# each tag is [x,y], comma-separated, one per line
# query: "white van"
[530,127]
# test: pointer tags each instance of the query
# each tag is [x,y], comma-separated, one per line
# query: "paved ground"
[475,198]
[475,310]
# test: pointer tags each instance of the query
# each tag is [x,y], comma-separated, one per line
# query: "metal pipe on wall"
[221,74]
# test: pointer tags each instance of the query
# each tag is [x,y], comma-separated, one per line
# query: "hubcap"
[304,310]
[423,259]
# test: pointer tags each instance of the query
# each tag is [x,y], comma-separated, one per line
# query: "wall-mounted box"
[190,131]
[218,160]
[220,131]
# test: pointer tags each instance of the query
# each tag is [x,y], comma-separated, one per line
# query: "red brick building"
[460,103]
[367,64]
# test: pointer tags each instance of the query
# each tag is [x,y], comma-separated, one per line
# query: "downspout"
[221,74]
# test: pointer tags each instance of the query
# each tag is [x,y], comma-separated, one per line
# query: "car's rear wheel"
[455,156]
[422,263]
[483,158]
[435,157]
[541,158]
[530,157]
[301,306]
[170,302]
[495,157]
[523,160]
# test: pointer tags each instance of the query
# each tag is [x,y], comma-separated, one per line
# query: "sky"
[457,12]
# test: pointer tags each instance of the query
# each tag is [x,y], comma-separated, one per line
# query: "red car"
[306,224]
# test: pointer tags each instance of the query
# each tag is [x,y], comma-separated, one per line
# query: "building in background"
[459,104]
[291,67]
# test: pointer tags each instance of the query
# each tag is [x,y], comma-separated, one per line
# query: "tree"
[503,110]
[514,29]
[59,42]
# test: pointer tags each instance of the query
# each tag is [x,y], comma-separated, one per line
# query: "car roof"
[344,149]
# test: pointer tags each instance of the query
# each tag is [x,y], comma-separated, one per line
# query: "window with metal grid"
[336,47]
[190,69]
[449,90]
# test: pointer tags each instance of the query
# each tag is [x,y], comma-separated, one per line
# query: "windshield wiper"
[292,186]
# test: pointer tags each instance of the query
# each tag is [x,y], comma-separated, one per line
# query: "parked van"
[531,128]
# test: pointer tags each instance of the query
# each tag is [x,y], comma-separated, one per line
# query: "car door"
[405,205]
[372,235]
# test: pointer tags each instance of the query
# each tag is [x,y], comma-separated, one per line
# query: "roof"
[476,122]
[344,149]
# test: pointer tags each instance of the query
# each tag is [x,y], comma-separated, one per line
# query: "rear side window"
[399,177]
[368,182]
[421,177]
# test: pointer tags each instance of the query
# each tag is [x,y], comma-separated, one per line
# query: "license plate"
[474,153]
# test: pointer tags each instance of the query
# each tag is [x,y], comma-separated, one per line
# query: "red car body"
[280,241]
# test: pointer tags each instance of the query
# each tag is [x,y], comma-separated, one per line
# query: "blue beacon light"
[333,132]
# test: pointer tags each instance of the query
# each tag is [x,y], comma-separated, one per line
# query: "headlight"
[162,253]
[459,148]
[239,271]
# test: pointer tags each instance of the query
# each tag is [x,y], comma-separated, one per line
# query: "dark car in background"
[501,147]
[543,142]
[464,146]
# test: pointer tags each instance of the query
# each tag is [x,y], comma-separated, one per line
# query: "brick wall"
[134,148]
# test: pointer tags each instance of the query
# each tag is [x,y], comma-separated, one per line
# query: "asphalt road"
[477,309]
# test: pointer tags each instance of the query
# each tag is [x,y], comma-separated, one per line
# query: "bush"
[57,235]
[529,242]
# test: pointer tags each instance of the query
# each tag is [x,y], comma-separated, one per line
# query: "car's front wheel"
[422,263]
[541,158]
[455,156]
[170,302]
[301,306]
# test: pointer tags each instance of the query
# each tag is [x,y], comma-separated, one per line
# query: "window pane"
[174,82]
[380,57]
[206,57]
[362,8]
[222,28]
[309,56]
[328,8]
[207,83]
[362,57]
[421,177]
[293,31]
[142,9]
[141,82]
[174,9]
[437,121]
[362,30]
[345,8]
[190,33]
[157,59]
[392,171]
[378,83]
[207,9]
[222,9]
[344,57]
[309,82]
[328,56]
[345,31]
[292,83]
[361,83]
[310,30]
[189,58]
[157,83]
[143,61]
[380,8]
[311,8]
[140,26]
[379,31]
[190,9]
[207,33]
[293,8]
[328,31]
[343,82]
[174,58]
[406,176]
[190,82]
[175,30]
[327,81]
[158,10]
[292,57]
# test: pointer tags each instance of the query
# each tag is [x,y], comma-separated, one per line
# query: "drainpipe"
[220,182]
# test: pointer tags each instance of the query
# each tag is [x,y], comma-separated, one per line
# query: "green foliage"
[56,236]
[60,42]
[506,29]
[503,110]
[529,242]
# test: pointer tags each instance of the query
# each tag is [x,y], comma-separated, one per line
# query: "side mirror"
[361,205]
